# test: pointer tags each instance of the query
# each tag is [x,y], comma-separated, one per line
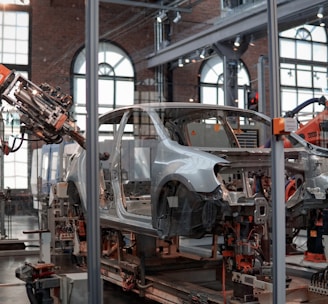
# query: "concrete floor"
[13,290]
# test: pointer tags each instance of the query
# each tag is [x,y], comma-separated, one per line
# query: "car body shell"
[179,170]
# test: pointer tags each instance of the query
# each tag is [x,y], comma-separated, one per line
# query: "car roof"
[178,110]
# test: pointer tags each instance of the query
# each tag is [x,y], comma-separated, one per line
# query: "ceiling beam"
[254,20]
[149,5]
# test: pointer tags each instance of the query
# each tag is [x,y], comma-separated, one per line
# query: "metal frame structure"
[152,5]
[278,241]
[219,32]
[93,220]
[255,22]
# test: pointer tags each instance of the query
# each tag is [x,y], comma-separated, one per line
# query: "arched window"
[116,80]
[303,67]
[212,82]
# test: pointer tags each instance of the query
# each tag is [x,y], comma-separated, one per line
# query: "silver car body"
[180,168]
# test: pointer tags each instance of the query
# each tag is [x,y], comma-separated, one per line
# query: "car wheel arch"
[168,180]
[162,216]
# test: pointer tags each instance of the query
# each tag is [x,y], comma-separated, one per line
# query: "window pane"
[22,33]
[9,32]
[304,50]
[9,46]
[304,77]
[79,90]
[289,100]
[125,93]
[21,59]
[15,169]
[287,74]
[22,47]
[8,58]
[124,68]
[288,33]
[106,91]
[319,34]
[81,119]
[22,19]
[320,52]
[320,77]
[287,48]
[212,95]
[10,18]
[212,69]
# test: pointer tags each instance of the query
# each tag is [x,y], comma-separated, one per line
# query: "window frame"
[15,167]
[112,80]
[218,84]
[300,74]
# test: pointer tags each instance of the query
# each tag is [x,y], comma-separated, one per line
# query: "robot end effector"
[43,110]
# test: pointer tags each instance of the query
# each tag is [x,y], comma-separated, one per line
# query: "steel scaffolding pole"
[95,292]
[278,203]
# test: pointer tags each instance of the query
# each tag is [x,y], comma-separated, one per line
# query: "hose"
[30,293]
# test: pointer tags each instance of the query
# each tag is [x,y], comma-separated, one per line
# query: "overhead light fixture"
[322,23]
[320,12]
[194,57]
[237,41]
[161,16]
[177,18]
[187,60]
[202,54]
[251,41]
[180,63]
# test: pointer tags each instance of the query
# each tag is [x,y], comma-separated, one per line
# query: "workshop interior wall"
[58,32]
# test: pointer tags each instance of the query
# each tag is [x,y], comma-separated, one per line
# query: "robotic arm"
[43,110]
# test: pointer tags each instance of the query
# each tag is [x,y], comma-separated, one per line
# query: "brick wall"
[58,32]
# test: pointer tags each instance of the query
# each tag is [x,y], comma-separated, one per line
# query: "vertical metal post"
[278,203]
[159,70]
[261,84]
[262,106]
[92,156]
[225,82]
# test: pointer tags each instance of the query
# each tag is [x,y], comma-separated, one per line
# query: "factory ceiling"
[246,22]
[250,21]
[177,5]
